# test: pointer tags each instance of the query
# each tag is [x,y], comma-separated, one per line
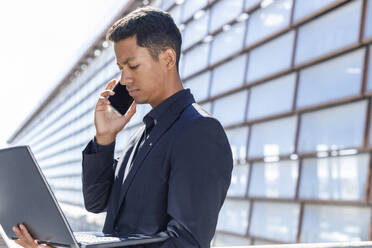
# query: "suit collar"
[172,105]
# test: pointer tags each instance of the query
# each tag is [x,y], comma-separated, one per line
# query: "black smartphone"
[121,101]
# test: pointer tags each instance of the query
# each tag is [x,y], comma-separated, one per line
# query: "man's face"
[143,76]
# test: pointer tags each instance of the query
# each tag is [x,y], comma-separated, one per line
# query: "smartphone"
[121,101]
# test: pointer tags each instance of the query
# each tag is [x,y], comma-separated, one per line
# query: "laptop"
[26,197]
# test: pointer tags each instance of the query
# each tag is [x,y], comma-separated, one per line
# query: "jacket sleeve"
[200,175]
[97,175]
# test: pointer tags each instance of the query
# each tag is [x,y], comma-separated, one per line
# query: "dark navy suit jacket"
[178,180]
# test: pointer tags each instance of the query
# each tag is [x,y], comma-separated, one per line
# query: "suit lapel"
[156,133]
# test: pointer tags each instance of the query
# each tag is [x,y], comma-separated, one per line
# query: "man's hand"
[25,239]
[107,121]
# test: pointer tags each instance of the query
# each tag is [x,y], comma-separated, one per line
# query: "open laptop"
[26,197]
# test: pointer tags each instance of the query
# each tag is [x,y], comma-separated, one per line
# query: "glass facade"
[290,81]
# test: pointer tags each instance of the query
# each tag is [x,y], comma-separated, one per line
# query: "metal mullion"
[300,221]
[362,21]
[365,71]
[298,183]
[367,125]
[249,218]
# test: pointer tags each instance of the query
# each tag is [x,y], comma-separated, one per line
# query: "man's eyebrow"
[126,61]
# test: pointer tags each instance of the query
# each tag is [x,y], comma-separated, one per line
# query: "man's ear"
[168,57]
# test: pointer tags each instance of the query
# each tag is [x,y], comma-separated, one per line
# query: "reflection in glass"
[276,221]
[175,12]
[223,12]
[305,7]
[335,223]
[272,97]
[195,31]
[337,178]
[207,106]
[227,42]
[238,141]
[368,23]
[199,85]
[273,138]
[332,79]
[223,106]
[262,62]
[328,33]
[233,216]
[191,6]
[195,59]
[276,179]
[229,75]
[239,177]
[337,127]
[222,239]
[266,21]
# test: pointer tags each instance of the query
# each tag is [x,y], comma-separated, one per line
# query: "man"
[175,171]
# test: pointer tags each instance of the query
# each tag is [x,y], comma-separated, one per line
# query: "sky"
[40,42]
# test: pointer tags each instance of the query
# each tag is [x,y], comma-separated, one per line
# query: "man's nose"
[126,77]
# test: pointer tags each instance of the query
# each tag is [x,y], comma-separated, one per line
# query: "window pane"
[223,12]
[196,59]
[223,106]
[272,97]
[369,82]
[233,217]
[175,12]
[305,7]
[332,79]
[238,186]
[276,179]
[238,138]
[273,138]
[191,6]
[368,23]
[229,75]
[207,106]
[278,221]
[338,178]
[199,85]
[250,3]
[230,240]
[333,223]
[330,32]
[336,127]
[266,21]
[231,39]
[262,62]
[195,31]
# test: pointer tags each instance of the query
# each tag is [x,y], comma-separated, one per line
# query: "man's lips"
[132,91]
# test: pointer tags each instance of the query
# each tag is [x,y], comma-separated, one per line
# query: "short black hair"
[154,29]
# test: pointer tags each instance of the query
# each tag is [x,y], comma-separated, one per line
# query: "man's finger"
[26,233]
[20,242]
[111,84]
[18,232]
[107,93]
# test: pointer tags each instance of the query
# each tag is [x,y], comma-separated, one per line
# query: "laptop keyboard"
[87,238]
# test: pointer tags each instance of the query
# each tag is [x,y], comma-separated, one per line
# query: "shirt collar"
[173,104]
